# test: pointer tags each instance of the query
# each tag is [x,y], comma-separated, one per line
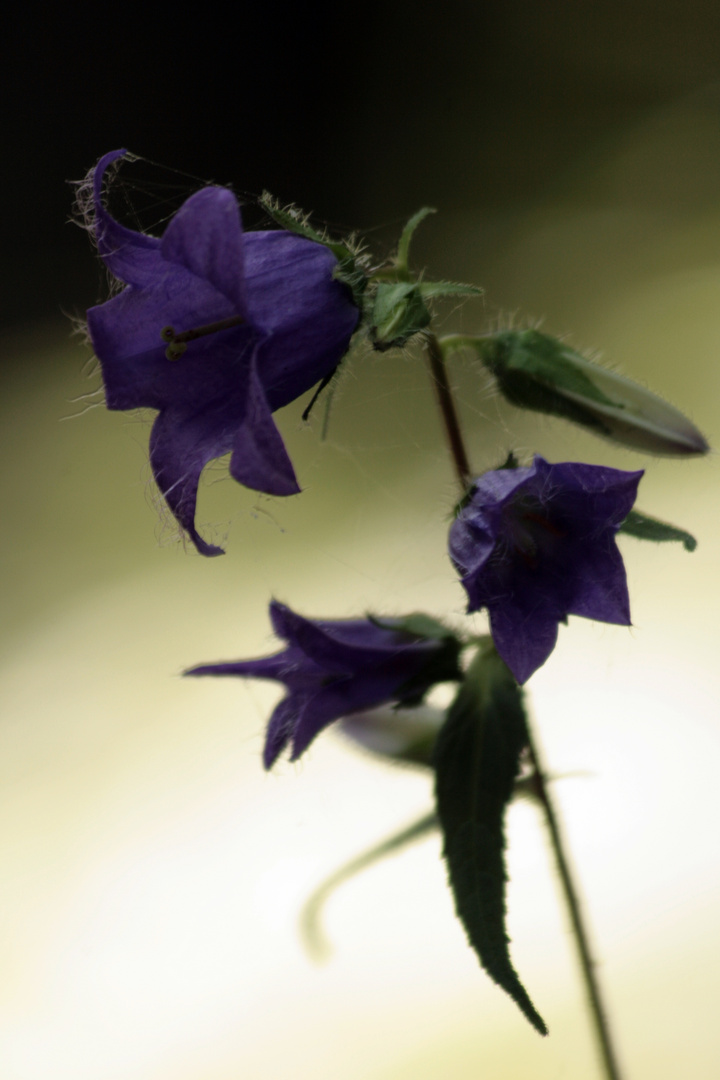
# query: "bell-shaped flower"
[216,329]
[334,668]
[533,545]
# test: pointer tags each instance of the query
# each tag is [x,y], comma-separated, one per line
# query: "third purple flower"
[334,668]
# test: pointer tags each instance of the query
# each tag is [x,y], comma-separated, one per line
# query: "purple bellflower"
[216,329]
[333,669]
[536,544]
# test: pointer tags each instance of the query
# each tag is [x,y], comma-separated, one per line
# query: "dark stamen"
[318,392]
[177,343]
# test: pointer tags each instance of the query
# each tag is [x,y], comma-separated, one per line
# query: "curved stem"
[580,931]
[538,780]
[310,916]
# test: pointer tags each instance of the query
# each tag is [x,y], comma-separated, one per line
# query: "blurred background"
[152,874]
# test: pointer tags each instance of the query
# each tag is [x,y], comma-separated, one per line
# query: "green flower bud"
[535,371]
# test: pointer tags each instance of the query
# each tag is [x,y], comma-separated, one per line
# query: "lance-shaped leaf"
[538,372]
[644,527]
[476,761]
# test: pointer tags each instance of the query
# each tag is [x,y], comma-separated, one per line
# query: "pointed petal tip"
[271,753]
[200,669]
[203,548]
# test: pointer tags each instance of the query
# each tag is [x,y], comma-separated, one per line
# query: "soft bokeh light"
[153,874]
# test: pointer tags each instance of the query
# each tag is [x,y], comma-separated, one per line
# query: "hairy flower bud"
[538,372]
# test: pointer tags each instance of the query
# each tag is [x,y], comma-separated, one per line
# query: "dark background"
[361,114]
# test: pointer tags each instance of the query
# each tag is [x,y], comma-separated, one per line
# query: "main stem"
[446,404]
[581,934]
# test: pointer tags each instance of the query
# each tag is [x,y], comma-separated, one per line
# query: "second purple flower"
[536,544]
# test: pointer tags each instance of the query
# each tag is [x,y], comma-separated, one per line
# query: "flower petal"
[280,729]
[341,697]
[346,646]
[125,333]
[601,590]
[259,458]
[205,237]
[308,317]
[180,448]
[130,256]
[593,497]
[523,640]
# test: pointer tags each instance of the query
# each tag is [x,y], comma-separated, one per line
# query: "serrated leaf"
[648,528]
[477,759]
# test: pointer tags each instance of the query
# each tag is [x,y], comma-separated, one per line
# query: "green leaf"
[477,759]
[648,528]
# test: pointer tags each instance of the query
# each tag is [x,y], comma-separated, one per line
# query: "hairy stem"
[446,404]
[538,781]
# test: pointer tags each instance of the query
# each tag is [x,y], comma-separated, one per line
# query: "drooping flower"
[333,668]
[216,329]
[536,544]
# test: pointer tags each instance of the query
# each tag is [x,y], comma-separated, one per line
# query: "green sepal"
[296,221]
[477,759]
[403,251]
[349,269]
[430,290]
[644,527]
[398,313]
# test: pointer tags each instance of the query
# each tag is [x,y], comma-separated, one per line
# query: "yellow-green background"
[151,873]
